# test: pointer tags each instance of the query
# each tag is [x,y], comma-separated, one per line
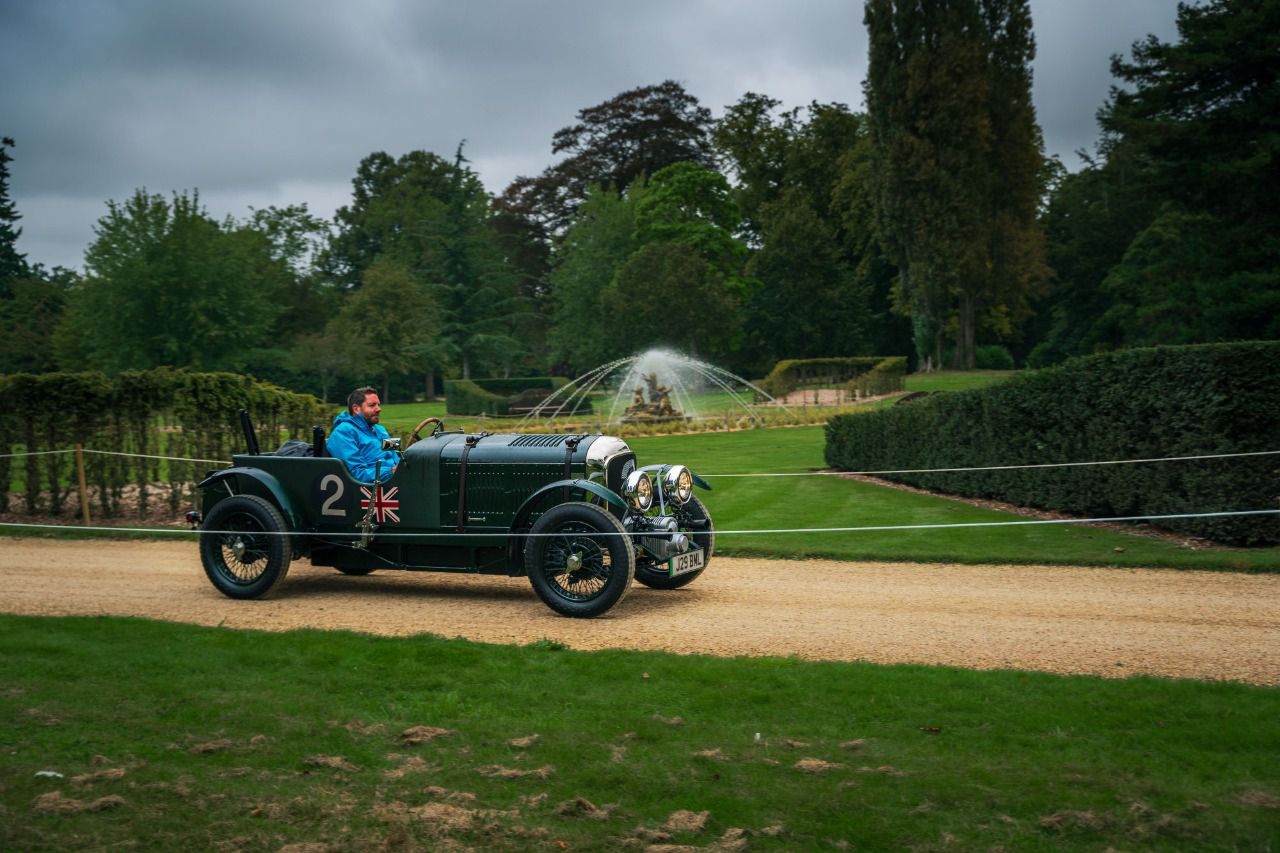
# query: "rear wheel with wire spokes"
[579,559]
[244,549]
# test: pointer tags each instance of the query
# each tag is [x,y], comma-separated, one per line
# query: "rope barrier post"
[84,488]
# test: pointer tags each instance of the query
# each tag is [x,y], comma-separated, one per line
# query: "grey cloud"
[250,102]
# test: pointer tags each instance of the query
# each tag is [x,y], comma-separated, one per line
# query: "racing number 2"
[328,508]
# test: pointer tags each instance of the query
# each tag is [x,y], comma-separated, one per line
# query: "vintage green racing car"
[572,512]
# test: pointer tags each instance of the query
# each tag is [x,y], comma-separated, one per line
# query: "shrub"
[993,357]
[888,376]
[1135,404]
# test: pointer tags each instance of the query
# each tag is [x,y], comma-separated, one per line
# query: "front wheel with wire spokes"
[244,547]
[579,559]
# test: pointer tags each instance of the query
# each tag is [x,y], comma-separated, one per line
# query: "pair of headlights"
[677,486]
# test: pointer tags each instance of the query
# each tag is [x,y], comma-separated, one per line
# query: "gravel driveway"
[1109,622]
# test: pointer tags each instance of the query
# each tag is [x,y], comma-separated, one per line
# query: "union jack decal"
[385,504]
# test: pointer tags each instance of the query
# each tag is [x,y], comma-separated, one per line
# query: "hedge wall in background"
[792,373]
[495,396]
[1166,401]
[159,412]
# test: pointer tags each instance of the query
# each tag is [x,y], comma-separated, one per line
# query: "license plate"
[682,564]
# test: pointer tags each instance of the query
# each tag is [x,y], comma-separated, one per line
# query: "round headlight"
[677,483]
[638,490]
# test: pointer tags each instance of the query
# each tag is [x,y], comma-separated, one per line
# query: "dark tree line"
[931,225]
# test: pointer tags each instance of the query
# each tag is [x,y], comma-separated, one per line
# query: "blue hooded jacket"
[359,444]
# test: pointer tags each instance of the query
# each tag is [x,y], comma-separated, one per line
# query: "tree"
[29,316]
[434,218]
[955,139]
[13,264]
[598,242]
[387,327]
[1204,112]
[1170,236]
[809,303]
[637,132]
[667,293]
[167,285]
[691,204]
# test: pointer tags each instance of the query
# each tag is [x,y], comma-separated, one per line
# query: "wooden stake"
[84,488]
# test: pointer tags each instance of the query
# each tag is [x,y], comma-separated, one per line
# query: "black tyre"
[357,572]
[696,522]
[242,550]
[579,559]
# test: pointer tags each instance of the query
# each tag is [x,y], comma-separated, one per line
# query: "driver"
[357,437]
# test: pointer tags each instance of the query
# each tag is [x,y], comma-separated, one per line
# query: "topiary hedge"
[495,396]
[1135,404]
[160,412]
[792,373]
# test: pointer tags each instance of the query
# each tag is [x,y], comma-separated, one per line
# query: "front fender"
[258,483]
[526,509]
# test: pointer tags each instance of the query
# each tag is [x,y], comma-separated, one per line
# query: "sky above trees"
[259,104]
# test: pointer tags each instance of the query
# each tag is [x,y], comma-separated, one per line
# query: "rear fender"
[251,481]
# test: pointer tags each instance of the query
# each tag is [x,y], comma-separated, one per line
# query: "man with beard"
[357,437]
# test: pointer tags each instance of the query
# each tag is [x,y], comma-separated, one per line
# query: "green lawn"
[805,502]
[956,380]
[214,739]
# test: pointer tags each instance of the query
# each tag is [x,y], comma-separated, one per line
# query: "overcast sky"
[276,102]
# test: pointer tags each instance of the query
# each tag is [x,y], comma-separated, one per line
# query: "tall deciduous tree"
[637,132]
[167,285]
[388,325]
[434,218]
[597,243]
[957,157]
[809,303]
[668,293]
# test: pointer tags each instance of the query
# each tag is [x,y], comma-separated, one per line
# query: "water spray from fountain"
[674,383]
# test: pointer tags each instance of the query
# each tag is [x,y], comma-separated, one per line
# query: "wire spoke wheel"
[245,552]
[575,563]
[579,559]
[245,549]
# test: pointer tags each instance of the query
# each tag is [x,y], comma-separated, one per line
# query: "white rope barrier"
[1002,467]
[149,456]
[379,534]
[780,473]
[35,453]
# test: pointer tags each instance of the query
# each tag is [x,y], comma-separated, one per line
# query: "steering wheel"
[414,437]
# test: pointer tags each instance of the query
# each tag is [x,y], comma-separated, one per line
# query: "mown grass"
[806,502]
[947,758]
[956,380]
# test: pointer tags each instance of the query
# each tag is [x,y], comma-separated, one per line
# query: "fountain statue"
[657,408]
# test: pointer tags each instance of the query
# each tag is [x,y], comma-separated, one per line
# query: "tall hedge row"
[1136,404]
[159,412]
[495,396]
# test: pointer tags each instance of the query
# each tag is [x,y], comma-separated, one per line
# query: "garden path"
[1108,622]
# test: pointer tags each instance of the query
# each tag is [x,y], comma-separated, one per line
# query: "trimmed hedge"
[160,412]
[495,396]
[1134,404]
[792,373]
[888,376]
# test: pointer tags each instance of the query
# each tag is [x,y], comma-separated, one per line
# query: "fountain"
[679,387]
